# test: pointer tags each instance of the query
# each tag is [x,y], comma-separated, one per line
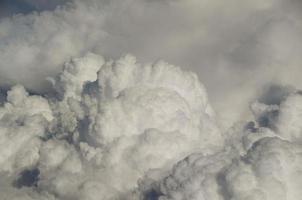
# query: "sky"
[11,7]
[150,99]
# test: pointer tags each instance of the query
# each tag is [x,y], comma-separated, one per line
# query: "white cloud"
[121,130]
[99,141]
[235,47]
[269,169]
[107,129]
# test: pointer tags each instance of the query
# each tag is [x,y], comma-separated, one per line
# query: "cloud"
[77,125]
[235,47]
[112,123]
[265,163]
[270,170]
[125,130]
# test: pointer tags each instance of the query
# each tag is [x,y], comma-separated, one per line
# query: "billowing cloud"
[112,123]
[77,125]
[235,47]
[264,164]
[271,169]
[123,130]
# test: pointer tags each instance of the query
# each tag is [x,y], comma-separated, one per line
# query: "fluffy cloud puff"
[271,169]
[122,130]
[114,129]
[264,162]
[112,123]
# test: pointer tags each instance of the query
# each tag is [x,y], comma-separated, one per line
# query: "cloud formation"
[235,47]
[122,130]
[264,162]
[77,125]
[113,123]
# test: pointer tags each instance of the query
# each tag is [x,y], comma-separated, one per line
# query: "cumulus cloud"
[218,40]
[77,125]
[112,123]
[125,130]
[264,164]
[270,170]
